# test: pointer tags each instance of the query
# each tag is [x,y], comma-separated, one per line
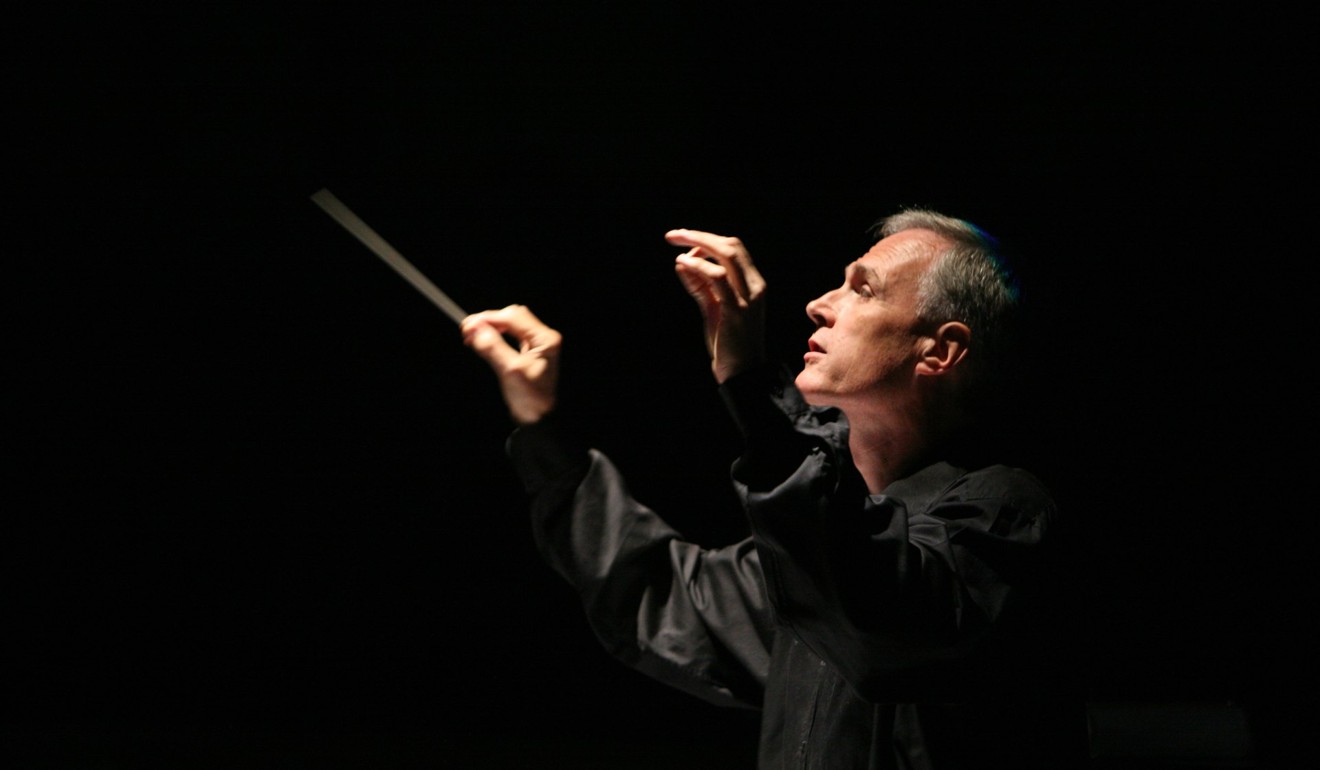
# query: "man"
[891,609]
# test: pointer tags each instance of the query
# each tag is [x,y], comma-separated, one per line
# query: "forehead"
[901,255]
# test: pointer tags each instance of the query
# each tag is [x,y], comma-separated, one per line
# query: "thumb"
[488,343]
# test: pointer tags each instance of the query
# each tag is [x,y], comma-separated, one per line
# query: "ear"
[942,352]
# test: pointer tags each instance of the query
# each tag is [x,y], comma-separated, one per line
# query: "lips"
[814,347]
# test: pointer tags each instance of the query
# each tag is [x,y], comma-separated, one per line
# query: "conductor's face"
[867,339]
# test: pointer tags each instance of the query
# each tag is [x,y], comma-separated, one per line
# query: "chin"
[810,389]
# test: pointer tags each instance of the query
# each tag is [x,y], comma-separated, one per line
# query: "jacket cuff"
[544,452]
[762,399]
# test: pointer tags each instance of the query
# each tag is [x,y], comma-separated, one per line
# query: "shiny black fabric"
[912,629]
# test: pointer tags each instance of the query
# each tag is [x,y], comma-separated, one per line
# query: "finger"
[487,342]
[699,288]
[522,324]
[712,278]
[685,237]
[470,322]
[688,267]
[728,252]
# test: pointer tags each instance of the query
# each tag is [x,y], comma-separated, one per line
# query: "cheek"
[880,357]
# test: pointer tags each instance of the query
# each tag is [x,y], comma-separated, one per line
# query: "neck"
[886,448]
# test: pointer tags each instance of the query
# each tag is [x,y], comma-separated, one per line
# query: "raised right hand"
[529,375]
[717,271]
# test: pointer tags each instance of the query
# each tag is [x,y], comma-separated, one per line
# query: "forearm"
[691,617]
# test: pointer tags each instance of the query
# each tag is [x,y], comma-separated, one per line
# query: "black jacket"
[918,628]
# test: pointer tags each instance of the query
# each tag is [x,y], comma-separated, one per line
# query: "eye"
[855,280]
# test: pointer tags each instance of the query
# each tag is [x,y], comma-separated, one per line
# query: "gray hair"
[968,282]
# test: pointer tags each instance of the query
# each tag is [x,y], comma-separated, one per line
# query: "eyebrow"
[868,275]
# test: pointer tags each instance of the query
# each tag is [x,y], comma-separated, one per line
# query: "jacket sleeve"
[692,617]
[920,593]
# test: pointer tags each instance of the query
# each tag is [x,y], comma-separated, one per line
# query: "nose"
[820,310]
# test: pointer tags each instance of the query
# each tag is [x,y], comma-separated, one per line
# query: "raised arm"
[690,616]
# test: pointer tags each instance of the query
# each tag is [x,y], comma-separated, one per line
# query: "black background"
[260,513]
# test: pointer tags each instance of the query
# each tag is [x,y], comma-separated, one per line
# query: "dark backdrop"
[259,510]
